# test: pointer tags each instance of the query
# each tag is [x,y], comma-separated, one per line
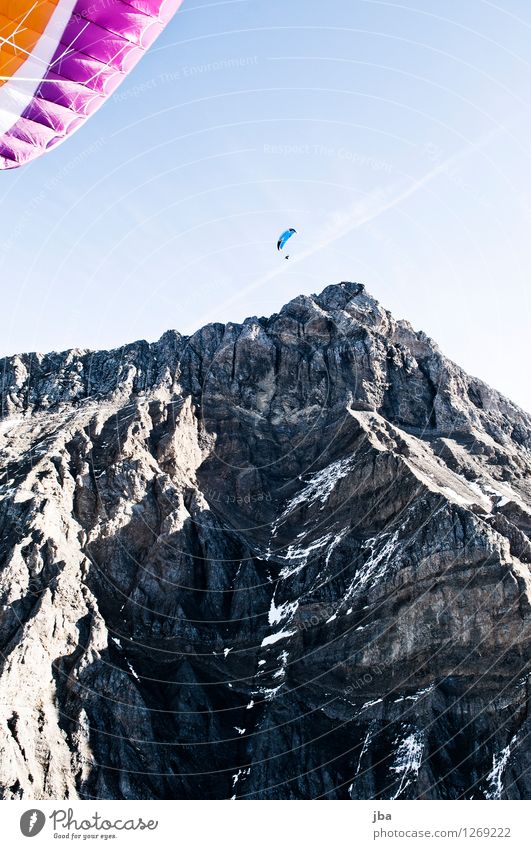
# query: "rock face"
[283,559]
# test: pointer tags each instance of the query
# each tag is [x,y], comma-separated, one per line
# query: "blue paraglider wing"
[287,234]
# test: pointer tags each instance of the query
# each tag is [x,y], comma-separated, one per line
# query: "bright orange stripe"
[22,22]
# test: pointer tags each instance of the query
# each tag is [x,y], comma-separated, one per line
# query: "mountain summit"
[287,558]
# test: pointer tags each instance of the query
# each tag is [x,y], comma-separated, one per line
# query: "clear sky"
[396,137]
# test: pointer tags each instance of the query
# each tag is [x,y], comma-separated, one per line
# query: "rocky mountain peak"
[286,558]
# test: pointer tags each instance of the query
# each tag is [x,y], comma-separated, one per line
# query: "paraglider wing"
[287,234]
[59,62]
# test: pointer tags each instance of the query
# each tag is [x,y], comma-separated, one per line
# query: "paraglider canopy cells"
[282,239]
[60,60]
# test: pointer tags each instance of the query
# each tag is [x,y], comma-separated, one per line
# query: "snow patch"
[318,488]
[269,692]
[276,614]
[274,638]
[495,776]
[236,777]
[375,566]
[416,696]
[370,704]
[132,671]
[300,554]
[283,657]
[365,746]
[408,760]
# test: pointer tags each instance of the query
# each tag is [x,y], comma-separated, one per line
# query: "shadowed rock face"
[283,559]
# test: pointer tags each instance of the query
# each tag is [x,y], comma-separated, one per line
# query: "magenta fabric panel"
[77,69]
[30,132]
[163,11]
[122,21]
[90,40]
[101,43]
[50,115]
[65,92]
[15,152]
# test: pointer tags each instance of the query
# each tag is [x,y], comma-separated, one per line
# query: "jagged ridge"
[282,559]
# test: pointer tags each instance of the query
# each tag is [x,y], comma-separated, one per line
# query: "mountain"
[287,558]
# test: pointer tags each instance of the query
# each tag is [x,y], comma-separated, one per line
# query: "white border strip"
[18,92]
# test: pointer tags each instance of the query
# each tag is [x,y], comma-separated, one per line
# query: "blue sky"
[394,136]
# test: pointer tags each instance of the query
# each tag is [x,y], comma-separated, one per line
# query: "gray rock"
[283,559]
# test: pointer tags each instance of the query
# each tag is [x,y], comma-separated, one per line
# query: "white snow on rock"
[370,704]
[416,696]
[318,488]
[277,614]
[365,746]
[274,638]
[118,643]
[375,566]
[501,497]
[269,692]
[132,671]
[428,468]
[283,657]
[454,496]
[495,776]
[236,777]
[300,555]
[333,545]
[474,485]
[408,760]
